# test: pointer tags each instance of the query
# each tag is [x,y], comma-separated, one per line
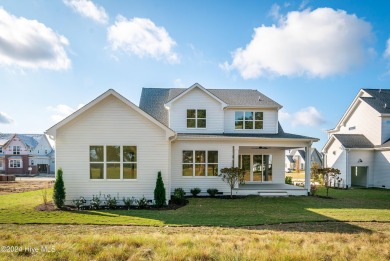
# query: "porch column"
[307,167]
[235,155]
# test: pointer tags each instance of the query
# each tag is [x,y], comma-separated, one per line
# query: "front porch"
[270,189]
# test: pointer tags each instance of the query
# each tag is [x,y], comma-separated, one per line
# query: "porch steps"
[273,193]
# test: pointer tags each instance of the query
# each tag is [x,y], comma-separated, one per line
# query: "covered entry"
[258,167]
[359,176]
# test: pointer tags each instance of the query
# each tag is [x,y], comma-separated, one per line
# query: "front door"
[257,167]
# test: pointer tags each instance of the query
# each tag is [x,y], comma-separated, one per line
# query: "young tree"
[159,191]
[314,170]
[327,174]
[232,176]
[59,190]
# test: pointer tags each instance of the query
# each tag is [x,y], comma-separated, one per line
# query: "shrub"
[111,202]
[79,202]
[59,190]
[178,196]
[129,202]
[195,191]
[95,202]
[232,176]
[212,192]
[142,203]
[313,189]
[288,180]
[159,191]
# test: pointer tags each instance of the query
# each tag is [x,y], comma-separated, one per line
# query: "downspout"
[171,139]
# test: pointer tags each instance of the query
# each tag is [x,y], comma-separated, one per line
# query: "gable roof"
[354,141]
[379,100]
[153,100]
[290,158]
[52,130]
[30,140]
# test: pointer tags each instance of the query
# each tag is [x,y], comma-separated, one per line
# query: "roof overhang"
[252,107]
[52,131]
[240,138]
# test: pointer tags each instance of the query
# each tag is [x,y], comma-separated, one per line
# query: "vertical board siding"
[196,99]
[111,122]
[270,121]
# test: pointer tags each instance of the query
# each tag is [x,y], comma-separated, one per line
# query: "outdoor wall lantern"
[360,161]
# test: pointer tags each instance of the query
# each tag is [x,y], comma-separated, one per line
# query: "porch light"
[360,161]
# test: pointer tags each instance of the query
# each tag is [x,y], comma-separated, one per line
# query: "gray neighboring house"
[296,158]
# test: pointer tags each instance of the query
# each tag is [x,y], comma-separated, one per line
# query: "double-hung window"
[200,163]
[248,120]
[16,150]
[196,118]
[113,162]
[15,163]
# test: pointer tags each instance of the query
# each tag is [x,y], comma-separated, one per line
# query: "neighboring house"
[359,145]
[19,152]
[111,146]
[295,159]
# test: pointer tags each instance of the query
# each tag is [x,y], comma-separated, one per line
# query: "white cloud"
[88,9]
[62,111]
[30,44]
[140,36]
[179,83]
[284,116]
[309,116]
[315,43]
[5,118]
[387,51]
[275,12]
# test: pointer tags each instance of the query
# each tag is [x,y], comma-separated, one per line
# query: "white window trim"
[11,164]
[243,121]
[194,163]
[105,162]
[15,149]
[196,119]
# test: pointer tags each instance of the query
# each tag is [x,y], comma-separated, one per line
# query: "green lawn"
[347,205]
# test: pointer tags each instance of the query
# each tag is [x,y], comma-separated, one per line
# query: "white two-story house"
[111,146]
[359,145]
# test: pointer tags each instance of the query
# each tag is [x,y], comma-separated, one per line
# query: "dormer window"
[248,120]
[16,150]
[196,119]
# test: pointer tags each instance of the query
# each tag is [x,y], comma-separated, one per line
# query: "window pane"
[187,169]
[188,156]
[249,125]
[239,115]
[258,124]
[200,156]
[212,170]
[96,170]
[248,115]
[113,170]
[129,170]
[259,115]
[191,123]
[201,123]
[113,153]
[267,168]
[257,167]
[212,156]
[239,125]
[129,153]
[202,114]
[200,170]
[190,113]
[96,154]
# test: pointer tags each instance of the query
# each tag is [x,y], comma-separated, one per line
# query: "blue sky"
[310,56]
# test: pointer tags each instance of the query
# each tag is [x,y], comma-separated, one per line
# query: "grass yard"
[310,241]
[347,205]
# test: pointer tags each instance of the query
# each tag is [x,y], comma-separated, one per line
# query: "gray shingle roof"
[380,98]
[30,140]
[153,99]
[290,158]
[351,141]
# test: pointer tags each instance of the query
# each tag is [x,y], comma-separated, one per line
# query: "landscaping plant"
[212,192]
[328,173]
[178,196]
[233,176]
[128,202]
[195,191]
[79,202]
[59,190]
[159,191]
[288,180]
[95,202]
[111,202]
[142,203]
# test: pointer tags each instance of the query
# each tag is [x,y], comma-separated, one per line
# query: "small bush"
[95,202]
[128,202]
[288,180]
[212,192]
[111,202]
[142,203]
[178,196]
[195,191]
[159,191]
[79,202]
[59,190]
[313,189]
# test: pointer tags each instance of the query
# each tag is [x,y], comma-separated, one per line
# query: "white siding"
[382,169]
[225,153]
[367,158]
[196,99]
[111,122]
[336,158]
[43,147]
[270,121]
[366,121]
